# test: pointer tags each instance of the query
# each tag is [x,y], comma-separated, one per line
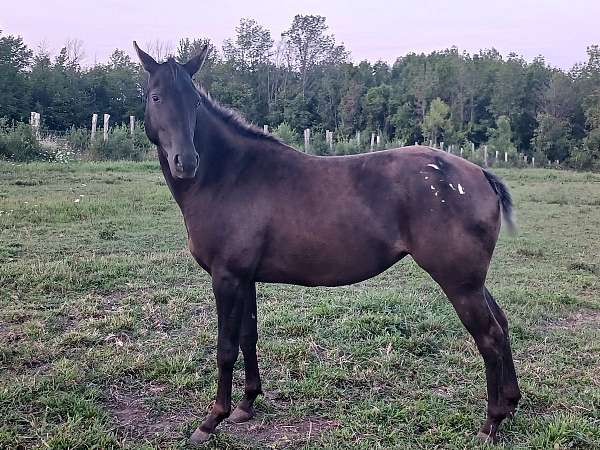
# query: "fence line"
[59,138]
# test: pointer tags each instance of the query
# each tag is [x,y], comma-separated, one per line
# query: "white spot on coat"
[461,190]
[432,188]
[443,201]
[427,178]
[434,166]
[452,186]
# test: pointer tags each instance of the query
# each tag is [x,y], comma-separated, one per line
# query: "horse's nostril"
[178,164]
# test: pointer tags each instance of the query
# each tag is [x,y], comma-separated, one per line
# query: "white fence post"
[378,140]
[533,161]
[372,141]
[358,138]
[131,124]
[94,123]
[461,151]
[497,153]
[485,160]
[505,157]
[307,140]
[266,128]
[105,130]
[329,139]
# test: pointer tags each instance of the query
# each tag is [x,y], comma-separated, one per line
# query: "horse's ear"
[196,63]
[148,62]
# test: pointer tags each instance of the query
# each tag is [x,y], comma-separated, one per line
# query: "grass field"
[107,328]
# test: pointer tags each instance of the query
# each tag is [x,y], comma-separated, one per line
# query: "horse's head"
[171,107]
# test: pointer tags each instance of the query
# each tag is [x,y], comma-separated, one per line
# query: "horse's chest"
[199,252]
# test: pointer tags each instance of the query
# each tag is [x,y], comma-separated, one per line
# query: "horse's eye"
[155,98]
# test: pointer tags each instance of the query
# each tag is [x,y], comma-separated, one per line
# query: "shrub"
[119,145]
[78,139]
[287,134]
[346,147]
[19,143]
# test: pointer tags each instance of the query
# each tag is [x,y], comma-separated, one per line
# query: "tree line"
[306,79]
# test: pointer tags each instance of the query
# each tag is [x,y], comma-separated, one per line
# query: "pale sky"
[370,29]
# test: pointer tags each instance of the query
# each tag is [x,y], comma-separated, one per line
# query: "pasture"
[107,328]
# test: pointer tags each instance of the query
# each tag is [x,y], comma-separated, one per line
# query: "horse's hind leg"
[487,324]
[511,391]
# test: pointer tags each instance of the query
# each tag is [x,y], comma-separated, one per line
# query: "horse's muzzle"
[184,166]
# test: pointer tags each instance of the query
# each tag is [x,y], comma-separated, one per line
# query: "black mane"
[233,117]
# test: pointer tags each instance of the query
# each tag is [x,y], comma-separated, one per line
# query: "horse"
[258,210]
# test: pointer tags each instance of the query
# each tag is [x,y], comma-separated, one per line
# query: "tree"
[552,138]
[501,136]
[251,47]
[309,44]
[15,58]
[436,120]
[376,106]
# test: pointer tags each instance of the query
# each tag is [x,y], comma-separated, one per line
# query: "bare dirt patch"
[280,434]
[582,319]
[136,419]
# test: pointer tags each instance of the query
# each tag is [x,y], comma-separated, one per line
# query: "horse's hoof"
[199,437]
[240,416]
[486,438]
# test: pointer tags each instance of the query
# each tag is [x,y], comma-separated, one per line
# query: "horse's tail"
[505,198]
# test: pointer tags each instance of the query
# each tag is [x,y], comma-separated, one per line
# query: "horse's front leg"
[231,294]
[248,339]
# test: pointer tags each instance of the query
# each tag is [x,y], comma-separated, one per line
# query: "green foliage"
[436,120]
[78,139]
[288,135]
[19,143]
[307,81]
[501,137]
[552,138]
[119,145]
[347,147]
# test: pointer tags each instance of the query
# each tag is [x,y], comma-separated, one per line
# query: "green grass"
[107,328]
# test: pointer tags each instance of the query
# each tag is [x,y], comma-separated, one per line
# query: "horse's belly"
[329,263]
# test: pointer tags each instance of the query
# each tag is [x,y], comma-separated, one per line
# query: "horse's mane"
[229,116]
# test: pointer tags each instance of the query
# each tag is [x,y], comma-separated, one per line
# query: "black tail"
[504,197]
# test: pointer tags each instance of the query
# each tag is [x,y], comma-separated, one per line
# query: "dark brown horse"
[256,210]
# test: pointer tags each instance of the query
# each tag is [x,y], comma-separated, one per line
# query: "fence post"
[378,140]
[131,124]
[105,130]
[442,146]
[266,128]
[525,158]
[461,152]
[307,140]
[329,139]
[505,157]
[472,148]
[36,124]
[416,143]
[372,141]
[533,161]
[497,155]
[94,123]
[358,138]
[485,161]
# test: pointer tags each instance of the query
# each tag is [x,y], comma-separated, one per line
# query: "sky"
[371,29]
